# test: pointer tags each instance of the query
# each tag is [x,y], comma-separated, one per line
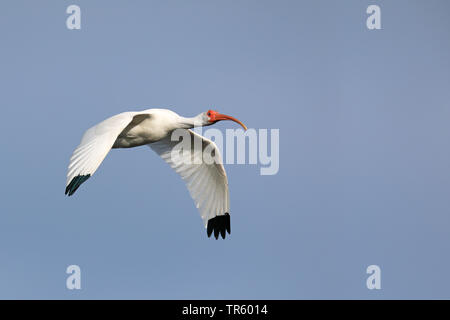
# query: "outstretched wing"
[206,180]
[94,146]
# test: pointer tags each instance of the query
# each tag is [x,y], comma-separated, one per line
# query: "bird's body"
[207,183]
[147,127]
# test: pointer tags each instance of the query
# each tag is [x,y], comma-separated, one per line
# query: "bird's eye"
[209,114]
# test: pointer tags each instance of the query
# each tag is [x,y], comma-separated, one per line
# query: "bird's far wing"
[93,148]
[207,183]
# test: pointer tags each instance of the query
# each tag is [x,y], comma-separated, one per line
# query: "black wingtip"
[75,184]
[220,225]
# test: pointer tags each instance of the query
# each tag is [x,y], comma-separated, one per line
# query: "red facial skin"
[214,116]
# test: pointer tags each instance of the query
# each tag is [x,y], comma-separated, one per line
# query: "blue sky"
[364,159]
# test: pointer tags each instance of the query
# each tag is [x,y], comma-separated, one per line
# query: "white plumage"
[207,182]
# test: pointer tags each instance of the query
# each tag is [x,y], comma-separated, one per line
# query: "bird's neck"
[188,123]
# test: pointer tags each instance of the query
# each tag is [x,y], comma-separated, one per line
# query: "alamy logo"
[241,147]
[74,280]
[374,280]
[374,20]
[74,20]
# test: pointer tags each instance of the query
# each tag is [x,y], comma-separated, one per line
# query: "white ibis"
[207,183]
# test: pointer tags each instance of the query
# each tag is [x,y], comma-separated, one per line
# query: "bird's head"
[212,117]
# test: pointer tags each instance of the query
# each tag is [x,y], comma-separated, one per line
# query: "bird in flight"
[207,182]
